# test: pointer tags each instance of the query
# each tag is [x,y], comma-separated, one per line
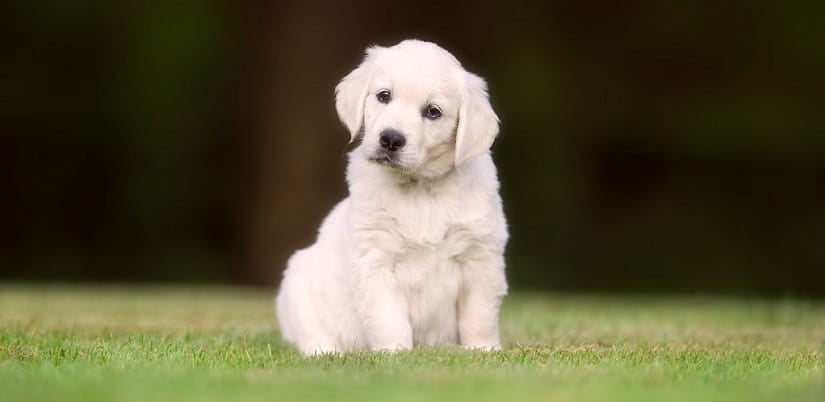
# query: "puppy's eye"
[432,112]
[383,96]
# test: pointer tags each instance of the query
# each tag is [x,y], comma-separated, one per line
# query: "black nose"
[392,140]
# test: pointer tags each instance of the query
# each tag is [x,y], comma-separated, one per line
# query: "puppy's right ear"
[351,94]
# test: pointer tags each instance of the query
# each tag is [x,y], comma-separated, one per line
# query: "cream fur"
[414,256]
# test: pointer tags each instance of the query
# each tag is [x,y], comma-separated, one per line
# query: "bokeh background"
[646,146]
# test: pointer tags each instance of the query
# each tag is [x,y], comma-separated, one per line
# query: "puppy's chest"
[430,278]
[430,245]
[428,226]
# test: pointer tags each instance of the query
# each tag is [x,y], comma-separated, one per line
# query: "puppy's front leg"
[483,287]
[381,303]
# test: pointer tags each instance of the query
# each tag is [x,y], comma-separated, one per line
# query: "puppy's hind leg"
[296,307]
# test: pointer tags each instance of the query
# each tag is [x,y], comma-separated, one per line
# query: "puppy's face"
[419,111]
[411,113]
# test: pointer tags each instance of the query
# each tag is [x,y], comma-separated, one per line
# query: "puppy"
[414,256]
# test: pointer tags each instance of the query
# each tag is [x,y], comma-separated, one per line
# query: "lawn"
[213,344]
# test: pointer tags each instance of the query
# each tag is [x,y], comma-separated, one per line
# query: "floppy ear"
[351,94]
[477,122]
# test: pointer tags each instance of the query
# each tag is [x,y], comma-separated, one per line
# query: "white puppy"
[415,254]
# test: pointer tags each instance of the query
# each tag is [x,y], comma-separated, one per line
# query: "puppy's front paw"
[392,349]
[483,347]
[320,350]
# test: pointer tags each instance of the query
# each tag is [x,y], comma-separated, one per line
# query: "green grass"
[163,344]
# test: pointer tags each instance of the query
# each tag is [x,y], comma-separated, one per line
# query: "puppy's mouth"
[385,158]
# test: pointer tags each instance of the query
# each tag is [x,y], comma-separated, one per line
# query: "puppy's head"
[419,111]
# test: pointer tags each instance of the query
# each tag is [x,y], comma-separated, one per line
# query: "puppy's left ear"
[477,122]
[351,94]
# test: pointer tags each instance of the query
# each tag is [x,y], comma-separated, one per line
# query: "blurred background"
[645,146]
